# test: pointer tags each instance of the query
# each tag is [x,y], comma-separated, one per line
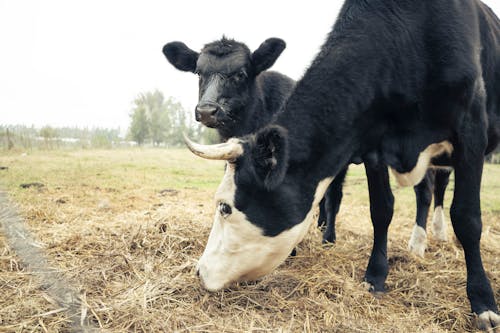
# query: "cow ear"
[181,56]
[267,53]
[270,155]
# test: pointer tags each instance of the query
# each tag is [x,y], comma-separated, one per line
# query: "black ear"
[181,56]
[270,155]
[267,53]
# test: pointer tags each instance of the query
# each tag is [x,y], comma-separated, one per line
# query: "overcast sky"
[81,63]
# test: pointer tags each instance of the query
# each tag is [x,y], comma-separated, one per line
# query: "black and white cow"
[237,95]
[396,83]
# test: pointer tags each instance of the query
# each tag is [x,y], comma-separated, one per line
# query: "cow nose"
[205,113]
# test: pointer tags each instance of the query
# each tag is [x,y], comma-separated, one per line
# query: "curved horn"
[228,151]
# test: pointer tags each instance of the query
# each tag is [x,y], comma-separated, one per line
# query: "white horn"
[227,151]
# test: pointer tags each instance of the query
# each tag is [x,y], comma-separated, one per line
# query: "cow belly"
[416,175]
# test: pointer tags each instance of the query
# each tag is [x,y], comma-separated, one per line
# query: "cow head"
[261,215]
[227,71]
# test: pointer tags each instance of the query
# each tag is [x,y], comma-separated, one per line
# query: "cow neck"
[326,114]
[321,124]
[254,113]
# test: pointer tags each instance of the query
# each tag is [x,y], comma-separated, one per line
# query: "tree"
[159,120]
[139,128]
[48,134]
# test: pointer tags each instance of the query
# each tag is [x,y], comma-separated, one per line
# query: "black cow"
[396,83]
[237,95]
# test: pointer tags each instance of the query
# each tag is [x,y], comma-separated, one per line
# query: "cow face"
[260,215]
[227,71]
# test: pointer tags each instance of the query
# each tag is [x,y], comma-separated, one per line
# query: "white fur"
[424,159]
[418,241]
[439,226]
[489,321]
[237,250]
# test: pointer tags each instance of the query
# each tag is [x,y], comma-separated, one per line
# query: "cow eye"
[224,209]
[240,76]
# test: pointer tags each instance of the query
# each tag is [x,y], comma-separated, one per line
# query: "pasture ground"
[126,227]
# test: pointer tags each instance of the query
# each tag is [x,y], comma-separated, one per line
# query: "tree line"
[48,137]
[154,121]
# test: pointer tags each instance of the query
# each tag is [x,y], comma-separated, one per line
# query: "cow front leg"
[423,194]
[333,197]
[381,209]
[466,218]
[439,226]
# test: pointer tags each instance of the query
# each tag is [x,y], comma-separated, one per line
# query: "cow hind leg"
[333,197]
[439,226]
[466,216]
[322,213]
[381,210]
[423,194]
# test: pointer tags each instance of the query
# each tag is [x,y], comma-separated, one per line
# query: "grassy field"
[127,226]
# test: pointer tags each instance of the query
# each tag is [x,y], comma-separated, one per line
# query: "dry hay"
[132,260]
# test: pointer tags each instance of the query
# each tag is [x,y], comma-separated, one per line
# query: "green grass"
[154,169]
[157,169]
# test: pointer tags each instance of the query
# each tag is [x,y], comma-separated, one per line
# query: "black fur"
[181,56]
[270,156]
[392,78]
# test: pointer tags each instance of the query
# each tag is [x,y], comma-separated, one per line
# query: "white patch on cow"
[489,321]
[367,286]
[418,241]
[441,167]
[237,250]
[423,163]
[439,226]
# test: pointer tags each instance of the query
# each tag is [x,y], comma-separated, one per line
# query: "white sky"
[81,63]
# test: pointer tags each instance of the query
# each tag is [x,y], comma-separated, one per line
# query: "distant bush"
[47,137]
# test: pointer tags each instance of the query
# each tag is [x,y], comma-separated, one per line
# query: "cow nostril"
[207,110]
[197,115]
[198,273]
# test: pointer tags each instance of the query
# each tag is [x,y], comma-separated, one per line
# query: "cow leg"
[322,213]
[465,214]
[423,194]
[381,209]
[439,225]
[333,197]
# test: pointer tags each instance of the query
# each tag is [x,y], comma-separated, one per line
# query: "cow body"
[392,79]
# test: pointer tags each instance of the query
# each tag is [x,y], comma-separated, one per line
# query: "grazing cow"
[237,95]
[396,83]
